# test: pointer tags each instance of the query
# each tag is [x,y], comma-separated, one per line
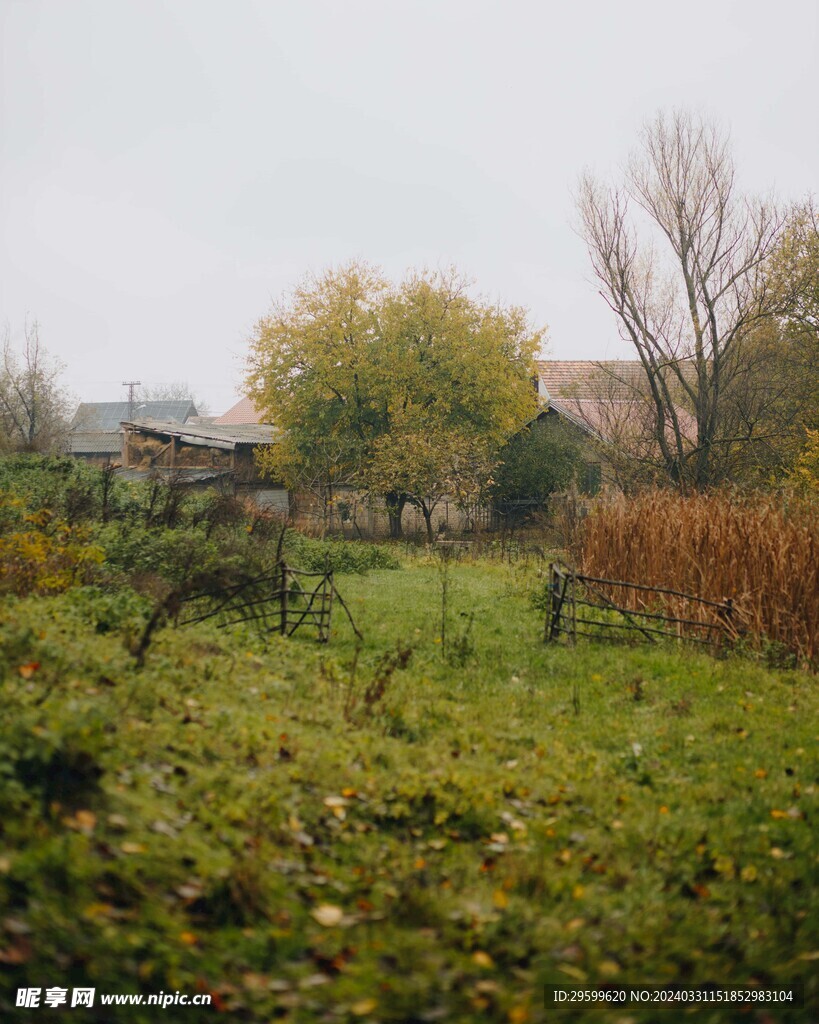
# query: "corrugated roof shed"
[248,433]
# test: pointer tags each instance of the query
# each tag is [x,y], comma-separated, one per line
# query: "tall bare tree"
[680,258]
[34,405]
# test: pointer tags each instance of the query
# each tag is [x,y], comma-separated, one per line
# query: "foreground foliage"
[399,833]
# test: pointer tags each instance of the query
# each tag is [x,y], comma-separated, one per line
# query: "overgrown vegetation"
[59,517]
[761,552]
[393,829]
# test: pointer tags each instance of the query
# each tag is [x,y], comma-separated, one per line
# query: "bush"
[46,557]
[342,556]
[173,554]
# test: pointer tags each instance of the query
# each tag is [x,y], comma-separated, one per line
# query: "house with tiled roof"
[608,398]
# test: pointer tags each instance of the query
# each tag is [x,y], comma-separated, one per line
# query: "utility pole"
[131,384]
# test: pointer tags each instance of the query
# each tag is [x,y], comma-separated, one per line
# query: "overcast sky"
[168,168]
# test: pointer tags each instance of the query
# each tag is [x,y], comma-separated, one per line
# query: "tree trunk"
[427,513]
[395,508]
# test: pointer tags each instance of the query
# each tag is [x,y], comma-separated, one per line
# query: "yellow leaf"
[335,801]
[748,873]
[327,915]
[363,1007]
[573,972]
[97,910]
[132,848]
[483,959]
[188,938]
[500,899]
[608,968]
[577,892]
[86,820]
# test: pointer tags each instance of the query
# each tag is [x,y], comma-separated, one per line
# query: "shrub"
[46,557]
[341,556]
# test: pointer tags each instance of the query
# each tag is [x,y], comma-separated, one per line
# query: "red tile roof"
[609,396]
[243,412]
[587,379]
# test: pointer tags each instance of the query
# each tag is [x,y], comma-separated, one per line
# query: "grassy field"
[399,833]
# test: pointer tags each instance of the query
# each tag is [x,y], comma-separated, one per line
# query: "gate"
[615,610]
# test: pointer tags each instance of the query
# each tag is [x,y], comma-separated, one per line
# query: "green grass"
[488,819]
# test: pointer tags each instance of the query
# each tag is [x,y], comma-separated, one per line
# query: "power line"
[131,384]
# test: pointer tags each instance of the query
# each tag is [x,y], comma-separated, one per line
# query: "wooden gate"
[615,610]
[282,602]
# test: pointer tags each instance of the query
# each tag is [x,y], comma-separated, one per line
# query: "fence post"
[727,616]
[283,570]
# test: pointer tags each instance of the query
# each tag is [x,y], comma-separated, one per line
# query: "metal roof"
[108,415]
[90,442]
[205,433]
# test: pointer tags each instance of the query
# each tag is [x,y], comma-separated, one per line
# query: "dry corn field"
[759,553]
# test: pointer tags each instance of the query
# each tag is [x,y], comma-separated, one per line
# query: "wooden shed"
[199,454]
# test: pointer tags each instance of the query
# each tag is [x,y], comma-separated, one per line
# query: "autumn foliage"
[46,556]
[762,554]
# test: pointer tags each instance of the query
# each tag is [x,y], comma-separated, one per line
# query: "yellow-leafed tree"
[402,391]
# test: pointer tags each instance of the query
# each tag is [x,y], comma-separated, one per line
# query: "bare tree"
[173,391]
[34,406]
[689,294]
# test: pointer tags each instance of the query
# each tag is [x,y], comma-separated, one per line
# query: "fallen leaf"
[28,670]
[363,1007]
[327,915]
[483,959]
[335,801]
